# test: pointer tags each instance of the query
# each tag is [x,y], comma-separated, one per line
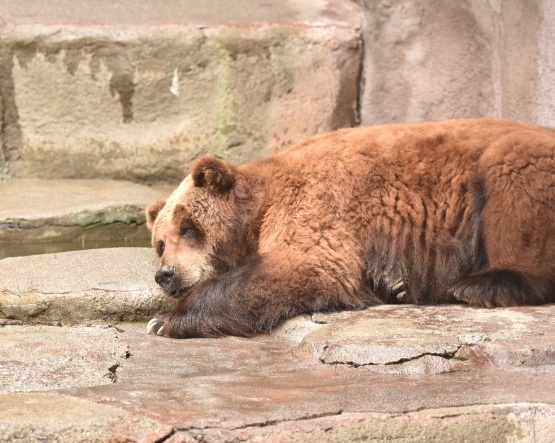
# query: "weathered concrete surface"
[108,284]
[269,388]
[426,339]
[55,419]
[40,358]
[137,92]
[471,424]
[74,210]
[433,60]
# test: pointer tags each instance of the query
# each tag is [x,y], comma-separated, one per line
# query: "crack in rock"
[112,375]
[447,355]
[168,436]
[266,423]
[275,422]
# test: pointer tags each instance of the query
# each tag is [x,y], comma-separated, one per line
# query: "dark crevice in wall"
[123,84]
[10,131]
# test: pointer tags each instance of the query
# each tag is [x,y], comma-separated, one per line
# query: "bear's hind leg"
[503,288]
[515,188]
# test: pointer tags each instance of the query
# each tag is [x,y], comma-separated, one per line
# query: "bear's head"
[204,228]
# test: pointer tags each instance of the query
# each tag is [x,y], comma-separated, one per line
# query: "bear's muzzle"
[166,278]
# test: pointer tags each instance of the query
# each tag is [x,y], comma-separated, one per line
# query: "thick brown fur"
[425,213]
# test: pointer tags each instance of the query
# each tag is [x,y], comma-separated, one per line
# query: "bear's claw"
[155,326]
[398,285]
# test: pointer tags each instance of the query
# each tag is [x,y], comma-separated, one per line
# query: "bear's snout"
[165,277]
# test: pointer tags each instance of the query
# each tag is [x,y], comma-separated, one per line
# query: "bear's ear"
[214,174]
[152,212]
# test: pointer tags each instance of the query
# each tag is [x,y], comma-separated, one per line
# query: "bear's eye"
[188,232]
[160,248]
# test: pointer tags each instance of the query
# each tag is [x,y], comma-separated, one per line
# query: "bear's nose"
[164,275]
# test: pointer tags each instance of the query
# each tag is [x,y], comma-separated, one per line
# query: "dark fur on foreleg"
[213,309]
[250,300]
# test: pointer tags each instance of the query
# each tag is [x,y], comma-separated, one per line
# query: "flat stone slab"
[427,339]
[208,12]
[108,284]
[287,387]
[270,387]
[138,92]
[41,358]
[498,423]
[33,417]
[74,210]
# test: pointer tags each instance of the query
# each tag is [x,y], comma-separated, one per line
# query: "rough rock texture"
[433,60]
[58,419]
[40,358]
[269,388]
[103,91]
[416,340]
[137,92]
[471,424]
[108,284]
[74,210]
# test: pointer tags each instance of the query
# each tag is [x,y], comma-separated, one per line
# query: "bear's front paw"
[168,324]
[157,325]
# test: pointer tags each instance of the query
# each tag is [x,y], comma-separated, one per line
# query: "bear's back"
[406,143]
[415,188]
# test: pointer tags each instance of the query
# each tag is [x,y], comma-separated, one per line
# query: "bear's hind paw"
[503,288]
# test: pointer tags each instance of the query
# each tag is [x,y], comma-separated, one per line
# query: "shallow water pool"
[21,249]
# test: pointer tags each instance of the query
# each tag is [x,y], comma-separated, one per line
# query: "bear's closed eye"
[188,232]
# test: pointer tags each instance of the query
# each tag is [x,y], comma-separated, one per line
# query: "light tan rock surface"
[50,418]
[269,388]
[42,358]
[427,339]
[470,424]
[137,92]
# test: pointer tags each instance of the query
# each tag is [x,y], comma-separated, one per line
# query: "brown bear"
[461,210]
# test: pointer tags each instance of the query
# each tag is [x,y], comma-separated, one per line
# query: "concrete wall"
[437,59]
[139,90]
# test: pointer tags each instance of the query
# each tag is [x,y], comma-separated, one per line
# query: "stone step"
[109,284]
[116,90]
[37,417]
[81,211]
